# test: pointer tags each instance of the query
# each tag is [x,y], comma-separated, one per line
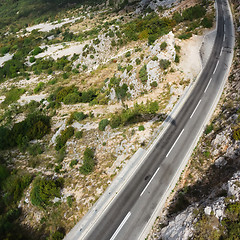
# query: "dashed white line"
[149,181]
[224,36]
[174,143]
[120,226]
[196,108]
[208,85]
[221,52]
[216,67]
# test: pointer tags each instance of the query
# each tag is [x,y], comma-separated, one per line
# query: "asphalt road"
[130,212]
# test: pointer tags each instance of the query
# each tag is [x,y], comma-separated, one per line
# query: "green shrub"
[194,12]
[133,114]
[72,98]
[141,128]
[153,84]
[79,134]
[207,22]
[155,58]
[138,61]
[63,137]
[129,68]
[44,190]
[128,54]
[36,51]
[39,87]
[177,17]
[177,58]
[163,45]
[58,168]
[12,96]
[33,127]
[115,121]
[208,129]
[164,64]
[70,201]
[79,116]
[143,75]
[186,35]
[236,134]
[102,124]
[13,187]
[73,163]
[88,162]
[32,59]
[35,149]
[121,91]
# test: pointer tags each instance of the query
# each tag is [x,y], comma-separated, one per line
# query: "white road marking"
[149,181]
[224,37]
[208,85]
[174,143]
[195,108]
[216,67]
[120,226]
[221,52]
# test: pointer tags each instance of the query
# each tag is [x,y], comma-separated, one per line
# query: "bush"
[44,190]
[73,163]
[121,92]
[72,98]
[115,121]
[35,149]
[185,35]
[88,162]
[138,61]
[153,84]
[141,128]
[164,64]
[62,139]
[12,96]
[133,115]
[208,129]
[194,12]
[207,22]
[32,59]
[177,58]
[236,134]
[33,127]
[163,45]
[102,124]
[79,134]
[155,58]
[39,87]
[129,68]
[128,54]
[36,51]
[79,116]
[143,75]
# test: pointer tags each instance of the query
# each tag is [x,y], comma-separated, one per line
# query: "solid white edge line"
[207,85]
[174,143]
[120,226]
[196,108]
[149,182]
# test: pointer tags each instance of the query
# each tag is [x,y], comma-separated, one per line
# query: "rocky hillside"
[81,90]
[206,201]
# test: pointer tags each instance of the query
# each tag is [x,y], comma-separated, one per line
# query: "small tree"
[163,45]
[102,124]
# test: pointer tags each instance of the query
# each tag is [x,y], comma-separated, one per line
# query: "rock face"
[181,227]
